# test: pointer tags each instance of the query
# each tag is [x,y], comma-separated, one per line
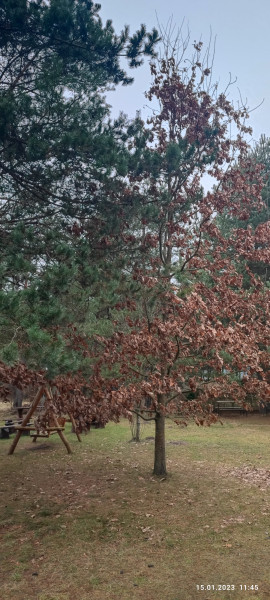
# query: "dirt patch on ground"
[172,443]
[178,443]
[46,446]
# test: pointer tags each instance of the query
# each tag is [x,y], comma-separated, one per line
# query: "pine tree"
[62,162]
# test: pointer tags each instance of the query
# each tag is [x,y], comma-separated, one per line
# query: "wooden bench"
[35,433]
[10,427]
[52,426]
[229,406]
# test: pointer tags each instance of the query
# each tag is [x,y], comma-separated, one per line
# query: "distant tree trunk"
[135,426]
[17,397]
[160,454]
[138,428]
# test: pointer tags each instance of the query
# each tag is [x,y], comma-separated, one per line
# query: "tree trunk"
[160,454]
[138,428]
[17,397]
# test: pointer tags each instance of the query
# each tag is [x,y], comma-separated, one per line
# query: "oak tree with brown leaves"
[193,325]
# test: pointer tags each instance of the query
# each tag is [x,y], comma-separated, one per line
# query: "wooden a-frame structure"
[56,428]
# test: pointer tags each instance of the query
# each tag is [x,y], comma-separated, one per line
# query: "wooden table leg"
[60,433]
[26,419]
[75,427]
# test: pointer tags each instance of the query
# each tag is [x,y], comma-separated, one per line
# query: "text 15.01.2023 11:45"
[242,587]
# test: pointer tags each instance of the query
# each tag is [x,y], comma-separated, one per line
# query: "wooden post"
[62,436]
[60,433]
[26,419]
[75,427]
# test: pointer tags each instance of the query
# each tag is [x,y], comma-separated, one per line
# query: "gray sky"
[242,30]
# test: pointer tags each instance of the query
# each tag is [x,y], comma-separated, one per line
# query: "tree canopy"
[62,162]
[120,284]
[197,332]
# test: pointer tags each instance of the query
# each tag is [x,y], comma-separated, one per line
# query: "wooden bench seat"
[229,406]
[32,428]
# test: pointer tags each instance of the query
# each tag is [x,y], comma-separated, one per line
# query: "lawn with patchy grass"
[96,524]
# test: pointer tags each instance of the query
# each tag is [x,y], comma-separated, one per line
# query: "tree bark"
[160,454]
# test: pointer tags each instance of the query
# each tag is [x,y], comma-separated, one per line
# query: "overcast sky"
[242,31]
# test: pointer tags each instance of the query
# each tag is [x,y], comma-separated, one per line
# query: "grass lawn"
[96,524]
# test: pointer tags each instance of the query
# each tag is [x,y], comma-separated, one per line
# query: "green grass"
[97,525]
